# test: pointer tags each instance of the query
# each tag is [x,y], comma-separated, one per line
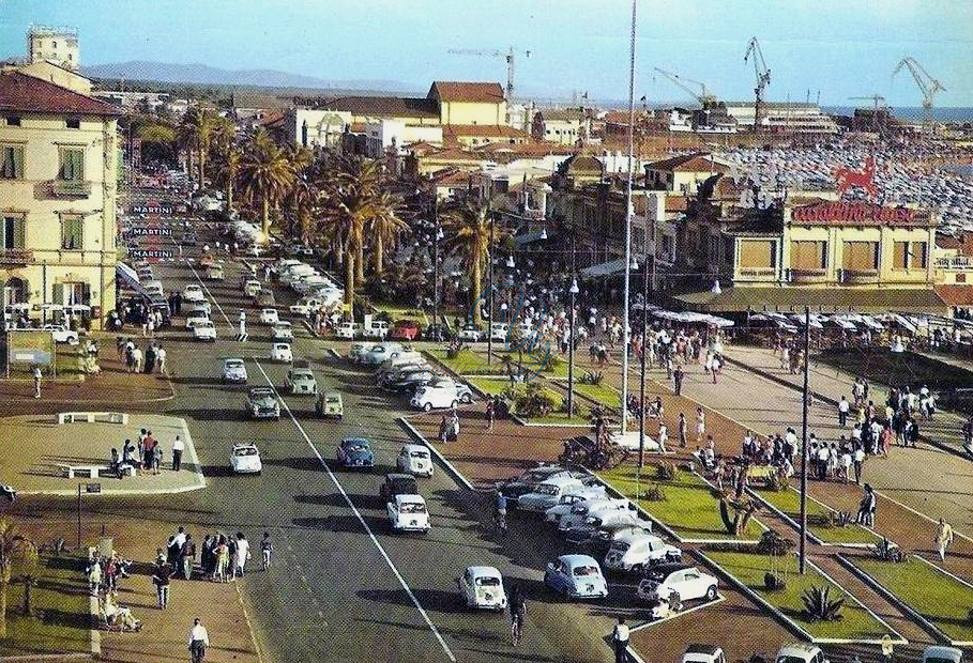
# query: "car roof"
[332,394]
[799,649]
[703,649]
[356,440]
[631,537]
[244,445]
[578,560]
[229,359]
[481,571]
[939,651]
[560,479]
[413,447]
[261,390]
[671,567]
[397,476]
[409,498]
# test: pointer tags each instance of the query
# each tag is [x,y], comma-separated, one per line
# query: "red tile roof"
[386,106]
[453,154]
[483,130]
[955,295]
[490,93]
[698,162]
[27,94]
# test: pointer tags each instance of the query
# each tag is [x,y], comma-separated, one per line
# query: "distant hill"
[201,74]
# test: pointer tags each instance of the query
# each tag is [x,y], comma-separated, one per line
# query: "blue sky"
[841,47]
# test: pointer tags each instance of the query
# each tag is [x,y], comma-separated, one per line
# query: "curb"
[442,459]
[95,632]
[810,535]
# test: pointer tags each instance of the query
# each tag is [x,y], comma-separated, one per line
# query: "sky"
[843,48]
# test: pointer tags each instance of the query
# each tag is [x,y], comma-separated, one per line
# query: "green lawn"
[490,386]
[61,623]
[749,568]
[789,501]
[561,418]
[930,592]
[690,508]
[468,362]
[601,393]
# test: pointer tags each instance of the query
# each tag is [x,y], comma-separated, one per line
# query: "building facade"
[57,45]
[58,179]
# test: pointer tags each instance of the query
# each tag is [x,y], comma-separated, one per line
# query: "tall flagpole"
[628,215]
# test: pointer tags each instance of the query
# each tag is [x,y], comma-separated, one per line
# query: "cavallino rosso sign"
[855,213]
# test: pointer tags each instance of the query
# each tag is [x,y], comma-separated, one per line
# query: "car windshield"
[586,570]
[333,399]
[487,581]
[547,489]
[234,365]
[412,507]
[245,451]
[620,546]
[424,455]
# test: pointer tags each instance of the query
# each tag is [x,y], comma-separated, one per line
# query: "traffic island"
[52,458]
[825,525]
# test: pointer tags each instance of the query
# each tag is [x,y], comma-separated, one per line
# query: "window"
[73,123]
[53,44]
[11,162]
[808,255]
[910,255]
[13,232]
[72,233]
[860,256]
[13,120]
[72,164]
[757,254]
[72,293]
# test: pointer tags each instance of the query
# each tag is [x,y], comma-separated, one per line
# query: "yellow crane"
[762,74]
[702,95]
[509,56]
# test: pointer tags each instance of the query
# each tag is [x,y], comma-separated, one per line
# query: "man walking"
[178,447]
[37,381]
[843,409]
[620,636]
[242,554]
[161,577]
[677,377]
[944,537]
[187,557]
[198,641]
[858,459]
[242,336]
[266,551]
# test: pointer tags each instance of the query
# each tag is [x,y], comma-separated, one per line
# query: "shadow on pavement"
[430,599]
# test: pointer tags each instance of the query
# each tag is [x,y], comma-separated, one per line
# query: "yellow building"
[58,178]
[57,45]
[463,102]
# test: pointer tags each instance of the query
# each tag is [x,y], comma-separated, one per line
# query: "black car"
[525,483]
[411,381]
[398,484]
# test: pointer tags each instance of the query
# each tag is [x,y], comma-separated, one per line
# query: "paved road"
[343,588]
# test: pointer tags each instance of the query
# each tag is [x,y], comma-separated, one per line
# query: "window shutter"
[20,232]
[18,162]
[57,293]
[86,294]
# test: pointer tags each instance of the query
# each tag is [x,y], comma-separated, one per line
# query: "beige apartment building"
[57,45]
[58,179]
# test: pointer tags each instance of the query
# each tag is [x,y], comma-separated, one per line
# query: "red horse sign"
[847,178]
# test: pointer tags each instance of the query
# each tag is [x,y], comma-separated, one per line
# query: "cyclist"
[518,610]
[500,512]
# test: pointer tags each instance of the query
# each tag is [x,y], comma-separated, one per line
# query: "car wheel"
[427,406]
[467,398]
[711,593]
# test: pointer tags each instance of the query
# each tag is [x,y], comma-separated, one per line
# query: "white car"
[194,318]
[482,588]
[252,288]
[637,552]
[204,331]
[440,394]
[470,334]
[281,352]
[346,330]
[282,331]
[548,492]
[62,334]
[193,293]
[567,502]
[377,329]
[200,305]
[408,513]
[580,512]
[378,353]
[414,459]
[268,316]
[301,381]
[234,370]
[685,580]
[245,459]
[306,305]
[806,653]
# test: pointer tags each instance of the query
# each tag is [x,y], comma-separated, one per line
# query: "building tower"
[57,45]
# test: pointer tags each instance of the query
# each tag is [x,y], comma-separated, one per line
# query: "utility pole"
[435,260]
[574,292]
[626,332]
[802,552]
[79,516]
[493,219]
[645,308]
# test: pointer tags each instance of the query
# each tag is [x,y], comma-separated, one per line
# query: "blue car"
[576,576]
[355,452]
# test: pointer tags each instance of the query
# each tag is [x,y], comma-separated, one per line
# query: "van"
[547,493]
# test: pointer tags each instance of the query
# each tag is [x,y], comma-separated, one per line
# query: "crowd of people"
[151,360]
[145,455]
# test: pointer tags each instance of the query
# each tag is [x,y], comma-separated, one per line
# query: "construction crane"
[762,74]
[928,85]
[704,98]
[508,55]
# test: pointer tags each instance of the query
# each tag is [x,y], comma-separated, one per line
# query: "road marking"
[361,519]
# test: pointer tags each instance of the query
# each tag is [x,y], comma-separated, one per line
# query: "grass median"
[749,568]
[602,394]
[468,362]
[691,509]
[938,597]
[60,622]
[818,518]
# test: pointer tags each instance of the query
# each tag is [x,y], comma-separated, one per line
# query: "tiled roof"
[563,115]
[27,94]
[386,106]
[453,154]
[483,130]
[955,295]
[698,162]
[676,203]
[490,93]
[963,243]
[535,148]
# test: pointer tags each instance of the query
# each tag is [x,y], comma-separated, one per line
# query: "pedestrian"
[242,554]
[888,651]
[700,424]
[663,437]
[443,430]
[94,577]
[490,413]
[843,408]
[37,381]
[858,460]
[266,551]
[620,636]
[187,557]
[867,507]
[160,359]
[677,378]
[944,537]
[683,429]
[178,447]
[137,360]
[242,336]
[161,577]
[912,433]
[518,610]
[222,560]
[198,641]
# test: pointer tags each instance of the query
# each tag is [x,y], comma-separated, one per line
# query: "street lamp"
[435,295]
[493,226]
[574,292]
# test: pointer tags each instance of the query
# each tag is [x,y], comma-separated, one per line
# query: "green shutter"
[20,232]
[57,293]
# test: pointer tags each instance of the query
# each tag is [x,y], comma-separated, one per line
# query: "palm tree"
[471,234]
[266,176]
[386,226]
[196,132]
[300,197]
[12,551]
[228,160]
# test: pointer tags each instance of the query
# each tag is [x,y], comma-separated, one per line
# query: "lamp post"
[574,292]
[493,220]
[435,287]
[802,552]
[628,213]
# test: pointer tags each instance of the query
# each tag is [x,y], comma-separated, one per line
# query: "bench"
[93,417]
[93,471]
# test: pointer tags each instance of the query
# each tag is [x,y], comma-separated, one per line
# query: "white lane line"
[203,285]
[361,519]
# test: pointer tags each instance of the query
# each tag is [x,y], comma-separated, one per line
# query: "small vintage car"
[251,288]
[684,579]
[282,331]
[408,513]
[235,371]
[414,459]
[482,588]
[301,381]
[193,293]
[204,331]
[245,459]
[637,552]
[268,316]
[215,273]
[329,405]
[262,403]
[576,576]
[281,352]
[397,484]
[355,452]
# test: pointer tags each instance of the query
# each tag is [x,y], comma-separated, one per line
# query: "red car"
[404,330]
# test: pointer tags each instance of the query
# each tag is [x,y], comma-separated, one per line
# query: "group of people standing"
[151,360]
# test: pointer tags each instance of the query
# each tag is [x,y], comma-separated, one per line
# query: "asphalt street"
[342,587]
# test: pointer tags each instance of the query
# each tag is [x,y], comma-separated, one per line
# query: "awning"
[604,269]
[127,279]
[740,299]
[531,237]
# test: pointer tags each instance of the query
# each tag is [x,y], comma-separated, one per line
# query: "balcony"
[808,275]
[15,257]
[859,276]
[70,188]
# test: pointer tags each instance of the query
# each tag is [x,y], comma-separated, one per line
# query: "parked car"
[306,305]
[576,576]
[356,350]
[523,484]
[411,380]
[581,534]
[265,298]
[414,459]
[408,513]
[566,502]
[440,394]
[375,328]
[329,405]
[268,316]
[940,654]
[470,334]
[281,352]
[301,381]
[215,273]
[686,580]
[800,653]
[397,484]
[193,293]
[704,654]
[482,588]
[204,331]
[245,459]
[637,552]
[346,330]
[405,330]
[282,331]
[252,287]
[547,493]
[234,370]
[262,403]
[62,334]
[380,352]
[194,318]
[601,541]
[579,513]
[355,452]
[199,305]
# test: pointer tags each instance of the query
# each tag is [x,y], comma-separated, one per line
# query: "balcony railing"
[808,275]
[71,188]
[854,276]
[14,257]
